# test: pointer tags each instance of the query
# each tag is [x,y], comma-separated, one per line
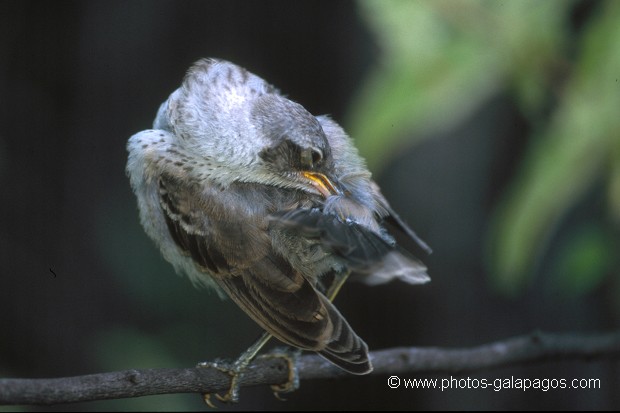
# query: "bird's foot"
[234,371]
[292,383]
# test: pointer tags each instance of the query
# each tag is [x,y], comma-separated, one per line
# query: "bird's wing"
[394,223]
[358,246]
[301,316]
[368,255]
[353,174]
[226,234]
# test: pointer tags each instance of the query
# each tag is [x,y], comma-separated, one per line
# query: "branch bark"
[532,348]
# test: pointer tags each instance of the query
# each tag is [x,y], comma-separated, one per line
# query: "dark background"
[83,289]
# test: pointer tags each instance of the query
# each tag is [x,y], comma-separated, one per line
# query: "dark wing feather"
[357,245]
[368,255]
[397,225]
[190,241]
[232,244]
[303,318]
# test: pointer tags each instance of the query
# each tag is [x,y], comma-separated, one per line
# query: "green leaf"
[565,159]
[442,59]
[584,261]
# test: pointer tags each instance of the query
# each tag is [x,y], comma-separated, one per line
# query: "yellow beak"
[321,183]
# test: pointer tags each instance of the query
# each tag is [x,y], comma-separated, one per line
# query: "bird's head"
[296,152]
[242,130]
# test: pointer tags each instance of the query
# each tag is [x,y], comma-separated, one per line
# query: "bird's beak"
[321,183]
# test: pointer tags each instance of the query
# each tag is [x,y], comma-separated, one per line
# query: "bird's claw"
[292,382]
[232,395]
[235,371]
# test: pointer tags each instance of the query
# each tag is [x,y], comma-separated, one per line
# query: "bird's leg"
[235,371]
[333,290]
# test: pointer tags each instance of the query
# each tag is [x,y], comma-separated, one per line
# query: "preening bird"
[245,191]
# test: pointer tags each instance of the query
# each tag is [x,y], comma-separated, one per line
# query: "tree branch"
[535,347]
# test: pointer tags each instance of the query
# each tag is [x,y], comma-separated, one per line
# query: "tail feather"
[345,348]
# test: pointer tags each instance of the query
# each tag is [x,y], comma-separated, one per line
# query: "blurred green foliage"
[442,59]
[587,259]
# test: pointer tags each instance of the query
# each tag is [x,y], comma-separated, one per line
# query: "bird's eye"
[317,156]
[311,157]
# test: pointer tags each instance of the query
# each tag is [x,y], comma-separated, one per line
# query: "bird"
[248,193]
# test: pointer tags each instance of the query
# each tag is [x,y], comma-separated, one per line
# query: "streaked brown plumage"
[246,191]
